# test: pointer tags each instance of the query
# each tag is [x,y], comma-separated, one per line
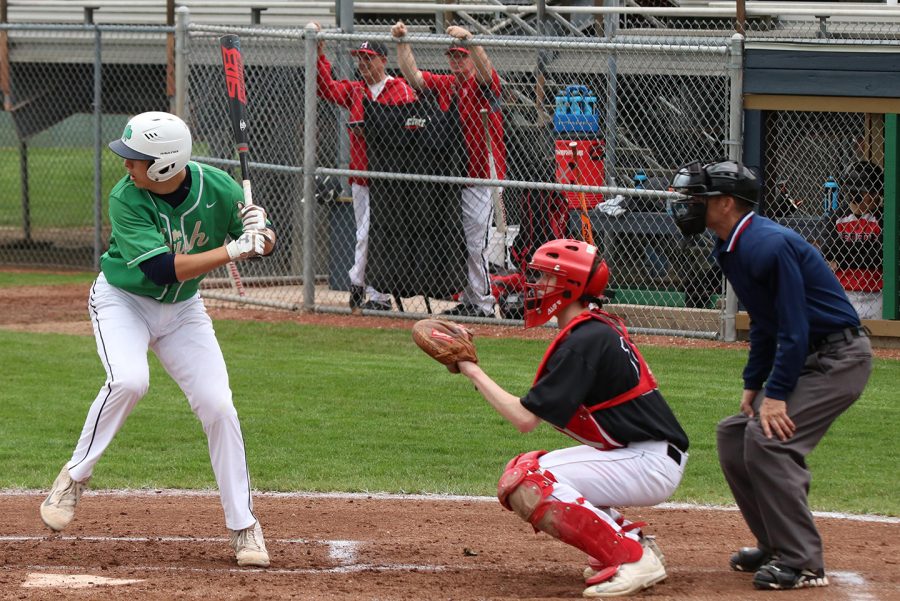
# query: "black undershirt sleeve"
[160,269]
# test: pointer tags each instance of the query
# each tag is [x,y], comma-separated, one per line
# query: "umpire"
[809,361]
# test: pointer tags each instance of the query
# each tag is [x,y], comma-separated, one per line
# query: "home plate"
[72,581]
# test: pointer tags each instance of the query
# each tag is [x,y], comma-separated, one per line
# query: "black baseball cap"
[458,48]
[371,47]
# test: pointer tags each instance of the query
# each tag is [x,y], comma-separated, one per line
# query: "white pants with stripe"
[639,475]
[361,215]
[477,213]
[182,337]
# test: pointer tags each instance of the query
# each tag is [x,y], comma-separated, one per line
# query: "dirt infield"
[376,548]
[170,545]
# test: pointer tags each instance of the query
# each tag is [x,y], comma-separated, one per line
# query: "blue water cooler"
[576,122]
[576,111]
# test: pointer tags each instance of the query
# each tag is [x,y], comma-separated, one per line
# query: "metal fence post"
[182,18]
[309,168]
[26,198]
[891,293]
[735,138]
[610,27]
[98,146]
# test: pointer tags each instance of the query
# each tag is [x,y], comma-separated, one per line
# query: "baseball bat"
[233,62]
[499,210]
[587,234]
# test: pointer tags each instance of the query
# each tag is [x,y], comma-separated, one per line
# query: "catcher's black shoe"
[749,559]
[775,576]
[467,310]
[357,294]
[373,305]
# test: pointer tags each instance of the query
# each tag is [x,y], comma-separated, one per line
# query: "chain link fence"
[397,213]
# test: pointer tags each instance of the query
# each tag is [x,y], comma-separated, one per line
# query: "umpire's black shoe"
[374,305]
[467,310]
[357,295]
[775,576]
[749,559]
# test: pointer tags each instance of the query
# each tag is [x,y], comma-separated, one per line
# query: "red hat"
[371,47]
[457,48]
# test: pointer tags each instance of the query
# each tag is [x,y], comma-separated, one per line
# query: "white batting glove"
[251,244]
[460,33]
[254,217]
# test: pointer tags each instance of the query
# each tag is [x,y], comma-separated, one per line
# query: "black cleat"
[373,305]
[775,576]
[749,559]
[467,310]
[357,294]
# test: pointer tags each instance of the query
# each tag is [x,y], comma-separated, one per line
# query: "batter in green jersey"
[145,225]
[170,220]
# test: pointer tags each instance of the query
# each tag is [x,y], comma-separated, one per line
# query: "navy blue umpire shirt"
[791,294]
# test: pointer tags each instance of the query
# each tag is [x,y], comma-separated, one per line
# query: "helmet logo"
[552,308]
[243,125]
[126,135]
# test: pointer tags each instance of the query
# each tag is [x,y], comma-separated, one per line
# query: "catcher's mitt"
[445,341]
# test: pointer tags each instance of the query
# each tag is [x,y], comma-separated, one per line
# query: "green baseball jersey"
[144,226]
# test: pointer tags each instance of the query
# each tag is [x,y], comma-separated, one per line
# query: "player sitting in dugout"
[593,385]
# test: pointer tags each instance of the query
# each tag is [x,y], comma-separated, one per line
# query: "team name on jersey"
[181,245]
[415,123]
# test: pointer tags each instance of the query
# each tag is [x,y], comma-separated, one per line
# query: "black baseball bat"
[233,61]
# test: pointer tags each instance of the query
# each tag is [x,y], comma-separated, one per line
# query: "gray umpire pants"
[769,478]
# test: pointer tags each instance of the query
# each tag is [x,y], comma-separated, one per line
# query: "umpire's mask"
[689,209]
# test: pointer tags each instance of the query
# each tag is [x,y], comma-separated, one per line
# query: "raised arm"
[339,92]
[484,71]
[405,58]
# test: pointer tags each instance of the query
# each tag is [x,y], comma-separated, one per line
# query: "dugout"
[853,89]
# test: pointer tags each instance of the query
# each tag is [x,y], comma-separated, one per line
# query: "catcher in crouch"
[595,386]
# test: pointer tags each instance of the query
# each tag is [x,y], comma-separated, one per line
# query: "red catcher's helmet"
[580,272]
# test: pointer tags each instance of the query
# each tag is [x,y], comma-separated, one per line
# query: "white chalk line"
[341,569]
[341,551]
[172,492]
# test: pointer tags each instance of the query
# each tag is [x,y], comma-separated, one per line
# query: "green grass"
[66,199]
[63,200]
[37,278]
[364,410]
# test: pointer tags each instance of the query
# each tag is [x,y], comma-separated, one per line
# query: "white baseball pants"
[361,252]
[639,475]
[477,213]
[182,337]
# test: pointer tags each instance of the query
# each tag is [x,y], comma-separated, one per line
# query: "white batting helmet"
[161,138]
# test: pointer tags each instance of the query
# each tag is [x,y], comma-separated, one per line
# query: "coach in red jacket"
[371,58]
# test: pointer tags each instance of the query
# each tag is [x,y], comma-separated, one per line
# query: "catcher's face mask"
[543,295]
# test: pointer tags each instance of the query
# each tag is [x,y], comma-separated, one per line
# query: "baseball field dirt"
[376,548]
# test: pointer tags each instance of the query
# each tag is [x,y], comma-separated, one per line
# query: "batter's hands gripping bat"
[233,62]
[499,211]
[587,233]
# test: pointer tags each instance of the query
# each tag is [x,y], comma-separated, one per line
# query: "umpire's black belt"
[845,335]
